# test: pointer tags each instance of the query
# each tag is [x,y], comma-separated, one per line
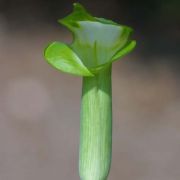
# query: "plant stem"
[96,126]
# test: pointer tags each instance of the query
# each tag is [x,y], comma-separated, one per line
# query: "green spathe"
[96,44]
[60,56]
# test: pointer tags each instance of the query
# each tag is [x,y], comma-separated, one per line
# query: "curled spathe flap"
[96,43]
[60,56]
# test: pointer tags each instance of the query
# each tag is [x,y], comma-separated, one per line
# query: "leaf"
[79,14]
[125,50]
[122,52]
[60,56]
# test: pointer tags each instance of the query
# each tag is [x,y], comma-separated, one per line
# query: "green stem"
[96,126]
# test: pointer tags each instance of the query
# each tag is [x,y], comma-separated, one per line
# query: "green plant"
[97,43]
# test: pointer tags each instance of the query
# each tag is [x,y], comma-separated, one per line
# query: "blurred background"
[39,107]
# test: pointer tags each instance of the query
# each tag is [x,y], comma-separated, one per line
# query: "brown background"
[39,107]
